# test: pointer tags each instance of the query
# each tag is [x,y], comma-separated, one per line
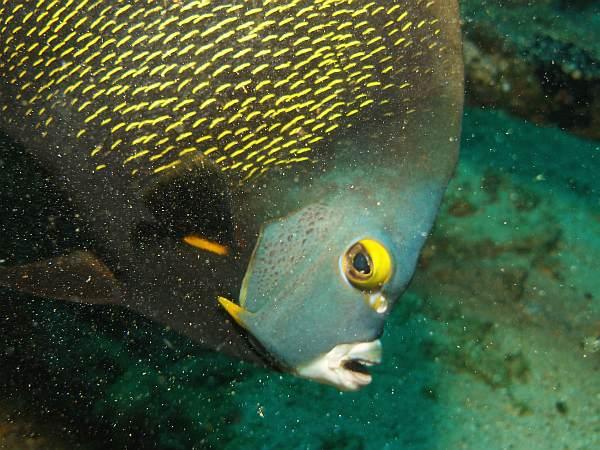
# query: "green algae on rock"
[540,60]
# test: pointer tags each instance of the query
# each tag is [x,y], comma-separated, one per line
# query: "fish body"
[289,154]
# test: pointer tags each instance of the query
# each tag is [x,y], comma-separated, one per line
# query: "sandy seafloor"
[496,345]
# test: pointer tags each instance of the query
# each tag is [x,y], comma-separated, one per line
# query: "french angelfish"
[258,175]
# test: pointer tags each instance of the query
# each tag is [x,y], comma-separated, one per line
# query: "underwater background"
[496,344]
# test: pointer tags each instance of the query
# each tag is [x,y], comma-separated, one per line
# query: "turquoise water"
[471,359]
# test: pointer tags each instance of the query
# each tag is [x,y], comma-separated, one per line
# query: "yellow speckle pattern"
[142,85]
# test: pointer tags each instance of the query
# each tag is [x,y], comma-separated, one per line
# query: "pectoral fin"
[78,277]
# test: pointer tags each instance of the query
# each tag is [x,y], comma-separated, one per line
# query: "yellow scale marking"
[262,81]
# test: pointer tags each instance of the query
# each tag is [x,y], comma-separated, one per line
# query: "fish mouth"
[358,366]
[346,366]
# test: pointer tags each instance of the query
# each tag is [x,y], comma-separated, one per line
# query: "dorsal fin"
[78,277]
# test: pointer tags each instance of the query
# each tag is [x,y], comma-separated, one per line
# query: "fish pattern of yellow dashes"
[146,85]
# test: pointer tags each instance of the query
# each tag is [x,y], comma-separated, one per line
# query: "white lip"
[330,367]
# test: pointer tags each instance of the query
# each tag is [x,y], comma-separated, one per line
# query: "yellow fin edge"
[233,310]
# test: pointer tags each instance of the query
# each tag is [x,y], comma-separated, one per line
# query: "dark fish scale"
[143,86]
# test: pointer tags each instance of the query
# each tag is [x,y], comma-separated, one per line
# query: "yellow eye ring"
[367,265]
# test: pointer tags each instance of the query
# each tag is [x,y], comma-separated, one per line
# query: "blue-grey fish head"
[323,280]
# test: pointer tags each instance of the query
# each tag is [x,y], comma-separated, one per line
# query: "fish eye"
[367,265]
[361,263]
